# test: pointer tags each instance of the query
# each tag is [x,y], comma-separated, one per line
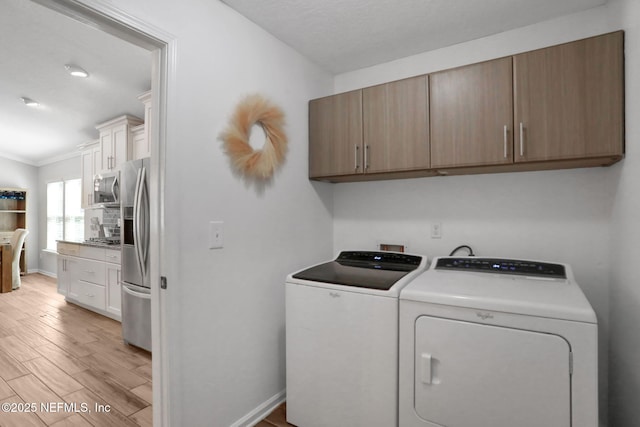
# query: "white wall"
[561,216]
[57,171]
[21,175]
[226,307]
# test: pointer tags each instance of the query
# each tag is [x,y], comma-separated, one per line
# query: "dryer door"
[469,374]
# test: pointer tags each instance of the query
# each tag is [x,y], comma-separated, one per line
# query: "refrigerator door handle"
[115,184]
[130,291]
[136,222]
[144,223]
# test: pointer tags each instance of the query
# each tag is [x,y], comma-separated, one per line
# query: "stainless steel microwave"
[106,189]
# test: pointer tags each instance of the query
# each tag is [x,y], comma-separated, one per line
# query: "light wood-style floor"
[277,418]
[60,362]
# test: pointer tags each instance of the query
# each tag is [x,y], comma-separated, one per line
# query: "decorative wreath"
[254,109]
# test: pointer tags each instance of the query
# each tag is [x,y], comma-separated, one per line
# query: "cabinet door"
[68,269]
[106,138]
[569,100]
[87,177]
[335,135]
[139,144]
[113,289]
[63,279]
[120,146]
[396,134]
[88,293]
[472,115]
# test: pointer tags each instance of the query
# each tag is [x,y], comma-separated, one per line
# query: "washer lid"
[363,269]
[532,295]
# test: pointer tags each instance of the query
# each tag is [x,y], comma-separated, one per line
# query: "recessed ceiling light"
[30,102]
[76,71]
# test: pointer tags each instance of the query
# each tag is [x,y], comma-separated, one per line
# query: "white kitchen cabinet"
[68,273]
[91,159]
[112,279]
[113,289]
[91,295]
[142,143]
[90,277]
[139,143]
[64,276]
[116,142]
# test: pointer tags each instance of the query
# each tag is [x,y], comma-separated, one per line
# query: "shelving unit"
[13,215]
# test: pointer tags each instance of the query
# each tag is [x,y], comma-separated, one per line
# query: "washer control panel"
[503,266]
[380,260]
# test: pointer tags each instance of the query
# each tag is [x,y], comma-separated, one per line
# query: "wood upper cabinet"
[335,135]
[472,115]
[569,100]
[553,108]
[395,123]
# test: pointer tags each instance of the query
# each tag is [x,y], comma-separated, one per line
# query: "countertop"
[93,244]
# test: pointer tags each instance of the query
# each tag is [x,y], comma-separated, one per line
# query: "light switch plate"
[216,235]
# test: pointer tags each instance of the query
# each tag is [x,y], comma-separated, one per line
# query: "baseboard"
[261,412]
[45,273]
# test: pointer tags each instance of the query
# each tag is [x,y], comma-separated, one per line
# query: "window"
[65,217]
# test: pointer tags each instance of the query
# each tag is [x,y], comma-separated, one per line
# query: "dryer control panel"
[503,266]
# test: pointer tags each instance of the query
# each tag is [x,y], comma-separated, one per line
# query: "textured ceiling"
[36,43]
[338,35]
[344,35]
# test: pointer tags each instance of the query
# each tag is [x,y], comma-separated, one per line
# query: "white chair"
[17,240]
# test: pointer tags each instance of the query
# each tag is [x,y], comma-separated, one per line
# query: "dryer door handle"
[425,368]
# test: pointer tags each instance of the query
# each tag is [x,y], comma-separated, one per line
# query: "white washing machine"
[342,339]
[488,342]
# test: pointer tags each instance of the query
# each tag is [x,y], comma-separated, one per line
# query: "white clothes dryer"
[342,339]
[487,342]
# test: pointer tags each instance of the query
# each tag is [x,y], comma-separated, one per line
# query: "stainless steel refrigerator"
[136,289]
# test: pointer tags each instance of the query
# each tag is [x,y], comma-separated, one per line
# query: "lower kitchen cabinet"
[113,289]
[87,293]
[65,269]
[90,277]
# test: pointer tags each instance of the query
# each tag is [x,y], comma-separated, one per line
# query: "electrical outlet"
[436,230]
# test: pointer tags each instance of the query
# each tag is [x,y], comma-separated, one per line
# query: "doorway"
[162,47]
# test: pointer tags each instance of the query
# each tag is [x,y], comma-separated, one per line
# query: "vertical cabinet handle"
[357,151]
[366,157]
[505,133]
[521,139]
